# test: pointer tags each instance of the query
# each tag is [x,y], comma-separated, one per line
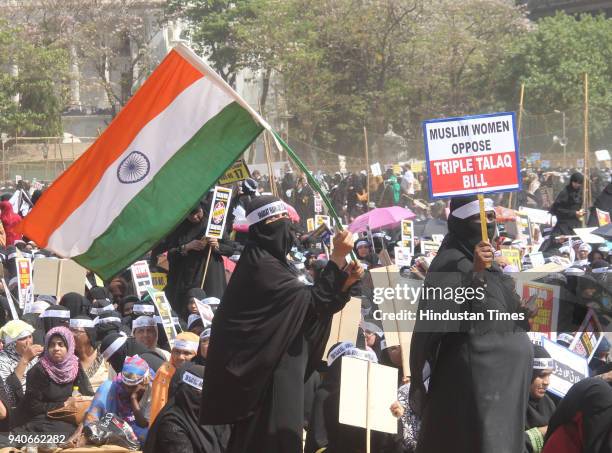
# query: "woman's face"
[147,336]
[81,340]
[363,251]
[23,344]
[192,308]
[179,356]
[204,347]
[57,349]
[395,354]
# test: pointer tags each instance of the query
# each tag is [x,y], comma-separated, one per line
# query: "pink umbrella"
[381,218]
[241,226]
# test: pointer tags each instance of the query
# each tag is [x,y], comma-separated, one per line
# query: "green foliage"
[41,85]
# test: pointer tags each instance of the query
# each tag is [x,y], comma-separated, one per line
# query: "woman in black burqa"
[480,370]
[269,333]
[568,207]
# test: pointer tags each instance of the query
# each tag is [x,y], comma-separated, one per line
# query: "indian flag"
[177,135]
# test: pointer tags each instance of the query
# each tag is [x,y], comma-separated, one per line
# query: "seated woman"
[144,329]
[17,358]
[128,396]
[50,385]
[177,427]
[87,350]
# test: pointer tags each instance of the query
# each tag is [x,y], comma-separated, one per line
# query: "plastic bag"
[111,429]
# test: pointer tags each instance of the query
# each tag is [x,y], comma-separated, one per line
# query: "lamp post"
[563,139]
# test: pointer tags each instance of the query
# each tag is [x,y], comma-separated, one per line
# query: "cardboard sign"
[56,277]
[569,368]
[318,204]
[321,219]
[218,212]
[24,278]
[141,276]
[472,154]
[403,256]
[603,217]
[429,248]
[367,390]
[588,336]
[310,224]
[11,302]
[345,324]
[160,280]
[165,313]
[513,256]
[547,301]
[237,172]
[408,235]
[376,169]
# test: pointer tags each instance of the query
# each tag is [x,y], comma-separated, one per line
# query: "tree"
[551,61]
[39,85]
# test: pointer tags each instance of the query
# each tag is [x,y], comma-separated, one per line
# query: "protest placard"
[513,256]
[160,280]
[472,154]
[218,212]
[537,259]
[206,313]
[539,216]
[342,163]
[588,336]
[408,235]
[318,204]
[141,277]
[429,248]
[321,219]
[310,225]
[603,217]
[164,311]
[376,169]
[56,277]
[345,324]
[602,155]
[403,257]
[367,390]
[546,298]
[569,368]
[25,290]
[237,172]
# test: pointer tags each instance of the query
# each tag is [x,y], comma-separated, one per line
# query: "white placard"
[141,276]
[569,368]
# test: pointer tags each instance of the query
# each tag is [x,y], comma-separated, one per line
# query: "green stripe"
[163,203]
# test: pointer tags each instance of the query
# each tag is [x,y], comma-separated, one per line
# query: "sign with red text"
[472,154]
[546,299]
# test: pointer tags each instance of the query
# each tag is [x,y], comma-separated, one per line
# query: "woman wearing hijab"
[177,427]
[128,396]
[9,222]
[582,422]
[75,303]
[192,295]
[87,350]
[541,407]
[50,384]
[109,322]
[268,334]
[144,330]
[55,316]
[116,347]
[568,207]
[489,358]
[17,358]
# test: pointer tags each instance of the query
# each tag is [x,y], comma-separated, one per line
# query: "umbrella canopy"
[241,226]
[381,218]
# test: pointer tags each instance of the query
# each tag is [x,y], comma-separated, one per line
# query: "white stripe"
[472,208]
[185,345]
[268,210]
[55,314]
[81,323]
[159,140]
[143,308]
[113,347]
[193,380]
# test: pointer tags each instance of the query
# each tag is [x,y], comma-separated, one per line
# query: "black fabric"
[593,398]
[539,412]
[129,348]
[490,361]
[565,206]
[107,328]
[177,428]
[76,303]
[50,323]
[264,309]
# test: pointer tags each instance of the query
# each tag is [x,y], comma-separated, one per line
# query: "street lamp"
[563,140]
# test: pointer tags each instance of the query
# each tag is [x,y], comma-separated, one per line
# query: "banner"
[237,172]
[165,313]
[408,235]
[546,298]
[24,277]
[472,154]
[218,212]
[588,336]
[141,276]
[569,368]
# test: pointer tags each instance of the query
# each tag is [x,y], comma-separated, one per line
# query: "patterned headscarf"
[135,370]
[66,370]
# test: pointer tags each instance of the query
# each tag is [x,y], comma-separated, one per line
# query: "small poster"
[569,368]
[310,225]
[165,313]
[322,219]
[537,259]
[603,217]
[160,280]
[141,276]
[403,256]
[318,204]
[218,212]
[429,248]
[376,169]
[546,298]
[588,337]
[237,172]
[408,235]
[513,256]
[24,277]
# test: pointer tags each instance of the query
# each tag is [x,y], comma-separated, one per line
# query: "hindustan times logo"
[412,294]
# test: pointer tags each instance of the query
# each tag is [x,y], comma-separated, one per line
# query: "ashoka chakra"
[135,167]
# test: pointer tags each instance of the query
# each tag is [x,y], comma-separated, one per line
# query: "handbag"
[74,412]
